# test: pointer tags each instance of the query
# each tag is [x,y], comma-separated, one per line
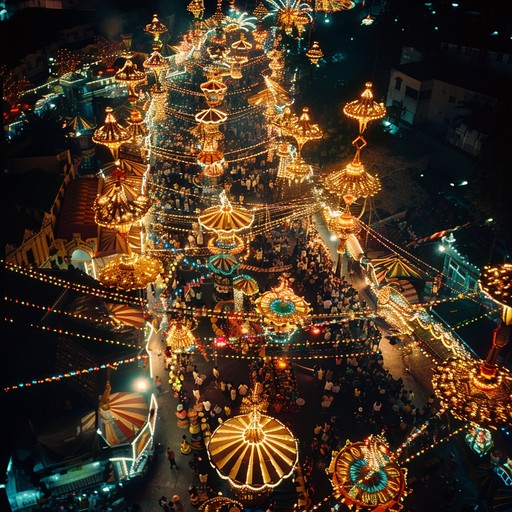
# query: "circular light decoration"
[364,476]
[179,337]
[352,180]
[253,452]
[281,308]
[130,272]
[475,390]
[155,28]
[130,76]
[156,61]
[315,53]
[121,205]
[210,119]
[221,504]
[111,134]
[226,221]
[365,109]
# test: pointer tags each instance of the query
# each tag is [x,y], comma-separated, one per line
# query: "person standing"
[171,457]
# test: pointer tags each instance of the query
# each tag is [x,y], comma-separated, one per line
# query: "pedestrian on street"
[158,385]
[171,457]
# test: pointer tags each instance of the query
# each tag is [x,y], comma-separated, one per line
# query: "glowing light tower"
[481,391]
[283,311]
[137,127]
[179,337]
[225,221]
[314,53]
[130,76]
[156,62]
[365,109]
[365,476]
[353,180]
[111,134]
[254,453]
[302,131]
[156,28]
[119,208]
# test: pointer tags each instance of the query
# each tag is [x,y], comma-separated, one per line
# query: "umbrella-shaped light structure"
[394,266]
[352,180]
[156,62]
[155,28]
[210,119]
[365,476]
[121,415]
[179,337]
[130,76]
[281,308]
[272,96]
[365,109]
[481,391]
[224,264]
[342,224]
[304,130]
[246,284]
[111,133]
[314,53]
[121,206]
[214,92]
[253,452]
[130,272]
[225,221]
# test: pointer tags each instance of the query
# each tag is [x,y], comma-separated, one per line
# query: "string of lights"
[74,373]
[71,333]
[82,288]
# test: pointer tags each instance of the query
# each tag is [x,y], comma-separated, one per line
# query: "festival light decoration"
[365,476]
[365,109]
[158,95]
[286,13]
[330,6]
[480,391]
[253,452]
[196,7]
[225,221]
[238,22]
[479,440]
[297,170]
[367,21]
[260,11]
[156,28]
[218,15]
[130,76]
[353,180]
[304,130]
[220,503]
[157,62]
[240,49]
[274,97]
[130,272]
[214,92]
[137,127]
[282,310]
[260,35]
[127,40]
[342,224]
[314,53]
[111,134]
[121,205]
[179,337]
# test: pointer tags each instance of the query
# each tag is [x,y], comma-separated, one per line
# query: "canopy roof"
[394,266]
[225,217]
[253,451]
[246,284]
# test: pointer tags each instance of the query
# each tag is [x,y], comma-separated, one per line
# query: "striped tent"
[406,288]
[122,417]
[394,266]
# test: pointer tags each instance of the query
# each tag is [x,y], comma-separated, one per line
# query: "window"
[398,83]
[411,93]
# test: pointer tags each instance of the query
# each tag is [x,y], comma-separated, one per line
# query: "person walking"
[171,457]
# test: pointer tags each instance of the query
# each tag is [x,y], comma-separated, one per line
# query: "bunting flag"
[436,235]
